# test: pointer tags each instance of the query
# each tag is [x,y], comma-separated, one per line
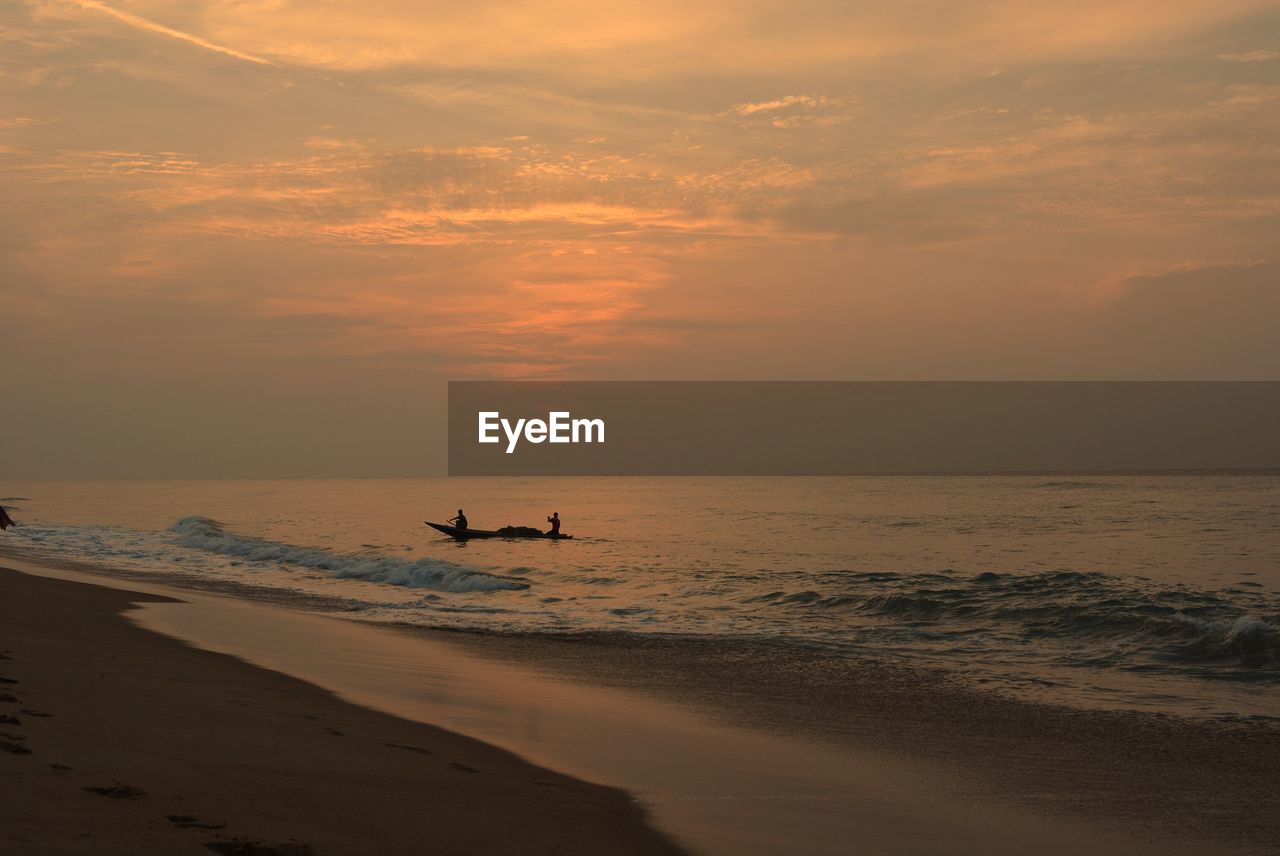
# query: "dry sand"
[117,740]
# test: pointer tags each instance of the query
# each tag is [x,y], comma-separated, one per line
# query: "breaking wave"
[201,533]
[1101,619]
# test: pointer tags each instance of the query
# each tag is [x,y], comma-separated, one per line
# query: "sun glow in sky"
[253,238]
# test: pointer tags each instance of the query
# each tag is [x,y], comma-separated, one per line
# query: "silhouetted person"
[554,520]
[5,520]
[460,521]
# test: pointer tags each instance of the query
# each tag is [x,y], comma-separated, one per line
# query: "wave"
[1104,620]
[202,533]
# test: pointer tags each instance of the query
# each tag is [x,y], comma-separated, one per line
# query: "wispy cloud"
[15,122]
[1250,56]
[776,104]
[154,27]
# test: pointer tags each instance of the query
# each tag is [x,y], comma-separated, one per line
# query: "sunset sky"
[255,238]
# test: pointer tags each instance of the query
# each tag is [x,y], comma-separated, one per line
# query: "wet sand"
[114,739]
[1203,785]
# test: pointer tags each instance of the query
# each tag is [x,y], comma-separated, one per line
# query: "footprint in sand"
[118,792]
[463,767]
[243,847]
[335,732]
[186,821]
[9,743]
[407,748]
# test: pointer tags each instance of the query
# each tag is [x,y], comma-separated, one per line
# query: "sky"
[256,237]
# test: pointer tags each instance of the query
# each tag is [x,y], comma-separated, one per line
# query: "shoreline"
[1167,784]
[1252,707]
[1154,774]
[118,739]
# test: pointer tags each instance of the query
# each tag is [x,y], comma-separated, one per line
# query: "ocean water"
[1120,592]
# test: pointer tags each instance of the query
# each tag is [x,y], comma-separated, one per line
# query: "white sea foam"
[1246,626]
[201,533]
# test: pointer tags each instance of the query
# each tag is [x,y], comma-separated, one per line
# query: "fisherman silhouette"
[554,520]
[460,520]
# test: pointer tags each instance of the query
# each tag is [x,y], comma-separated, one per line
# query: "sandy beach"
[122,738]
[118,740]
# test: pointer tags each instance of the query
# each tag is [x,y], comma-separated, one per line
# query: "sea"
[1156,592]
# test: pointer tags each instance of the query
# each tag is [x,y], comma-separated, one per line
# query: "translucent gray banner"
[835,428]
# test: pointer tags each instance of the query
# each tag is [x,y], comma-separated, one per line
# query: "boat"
[468,534]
